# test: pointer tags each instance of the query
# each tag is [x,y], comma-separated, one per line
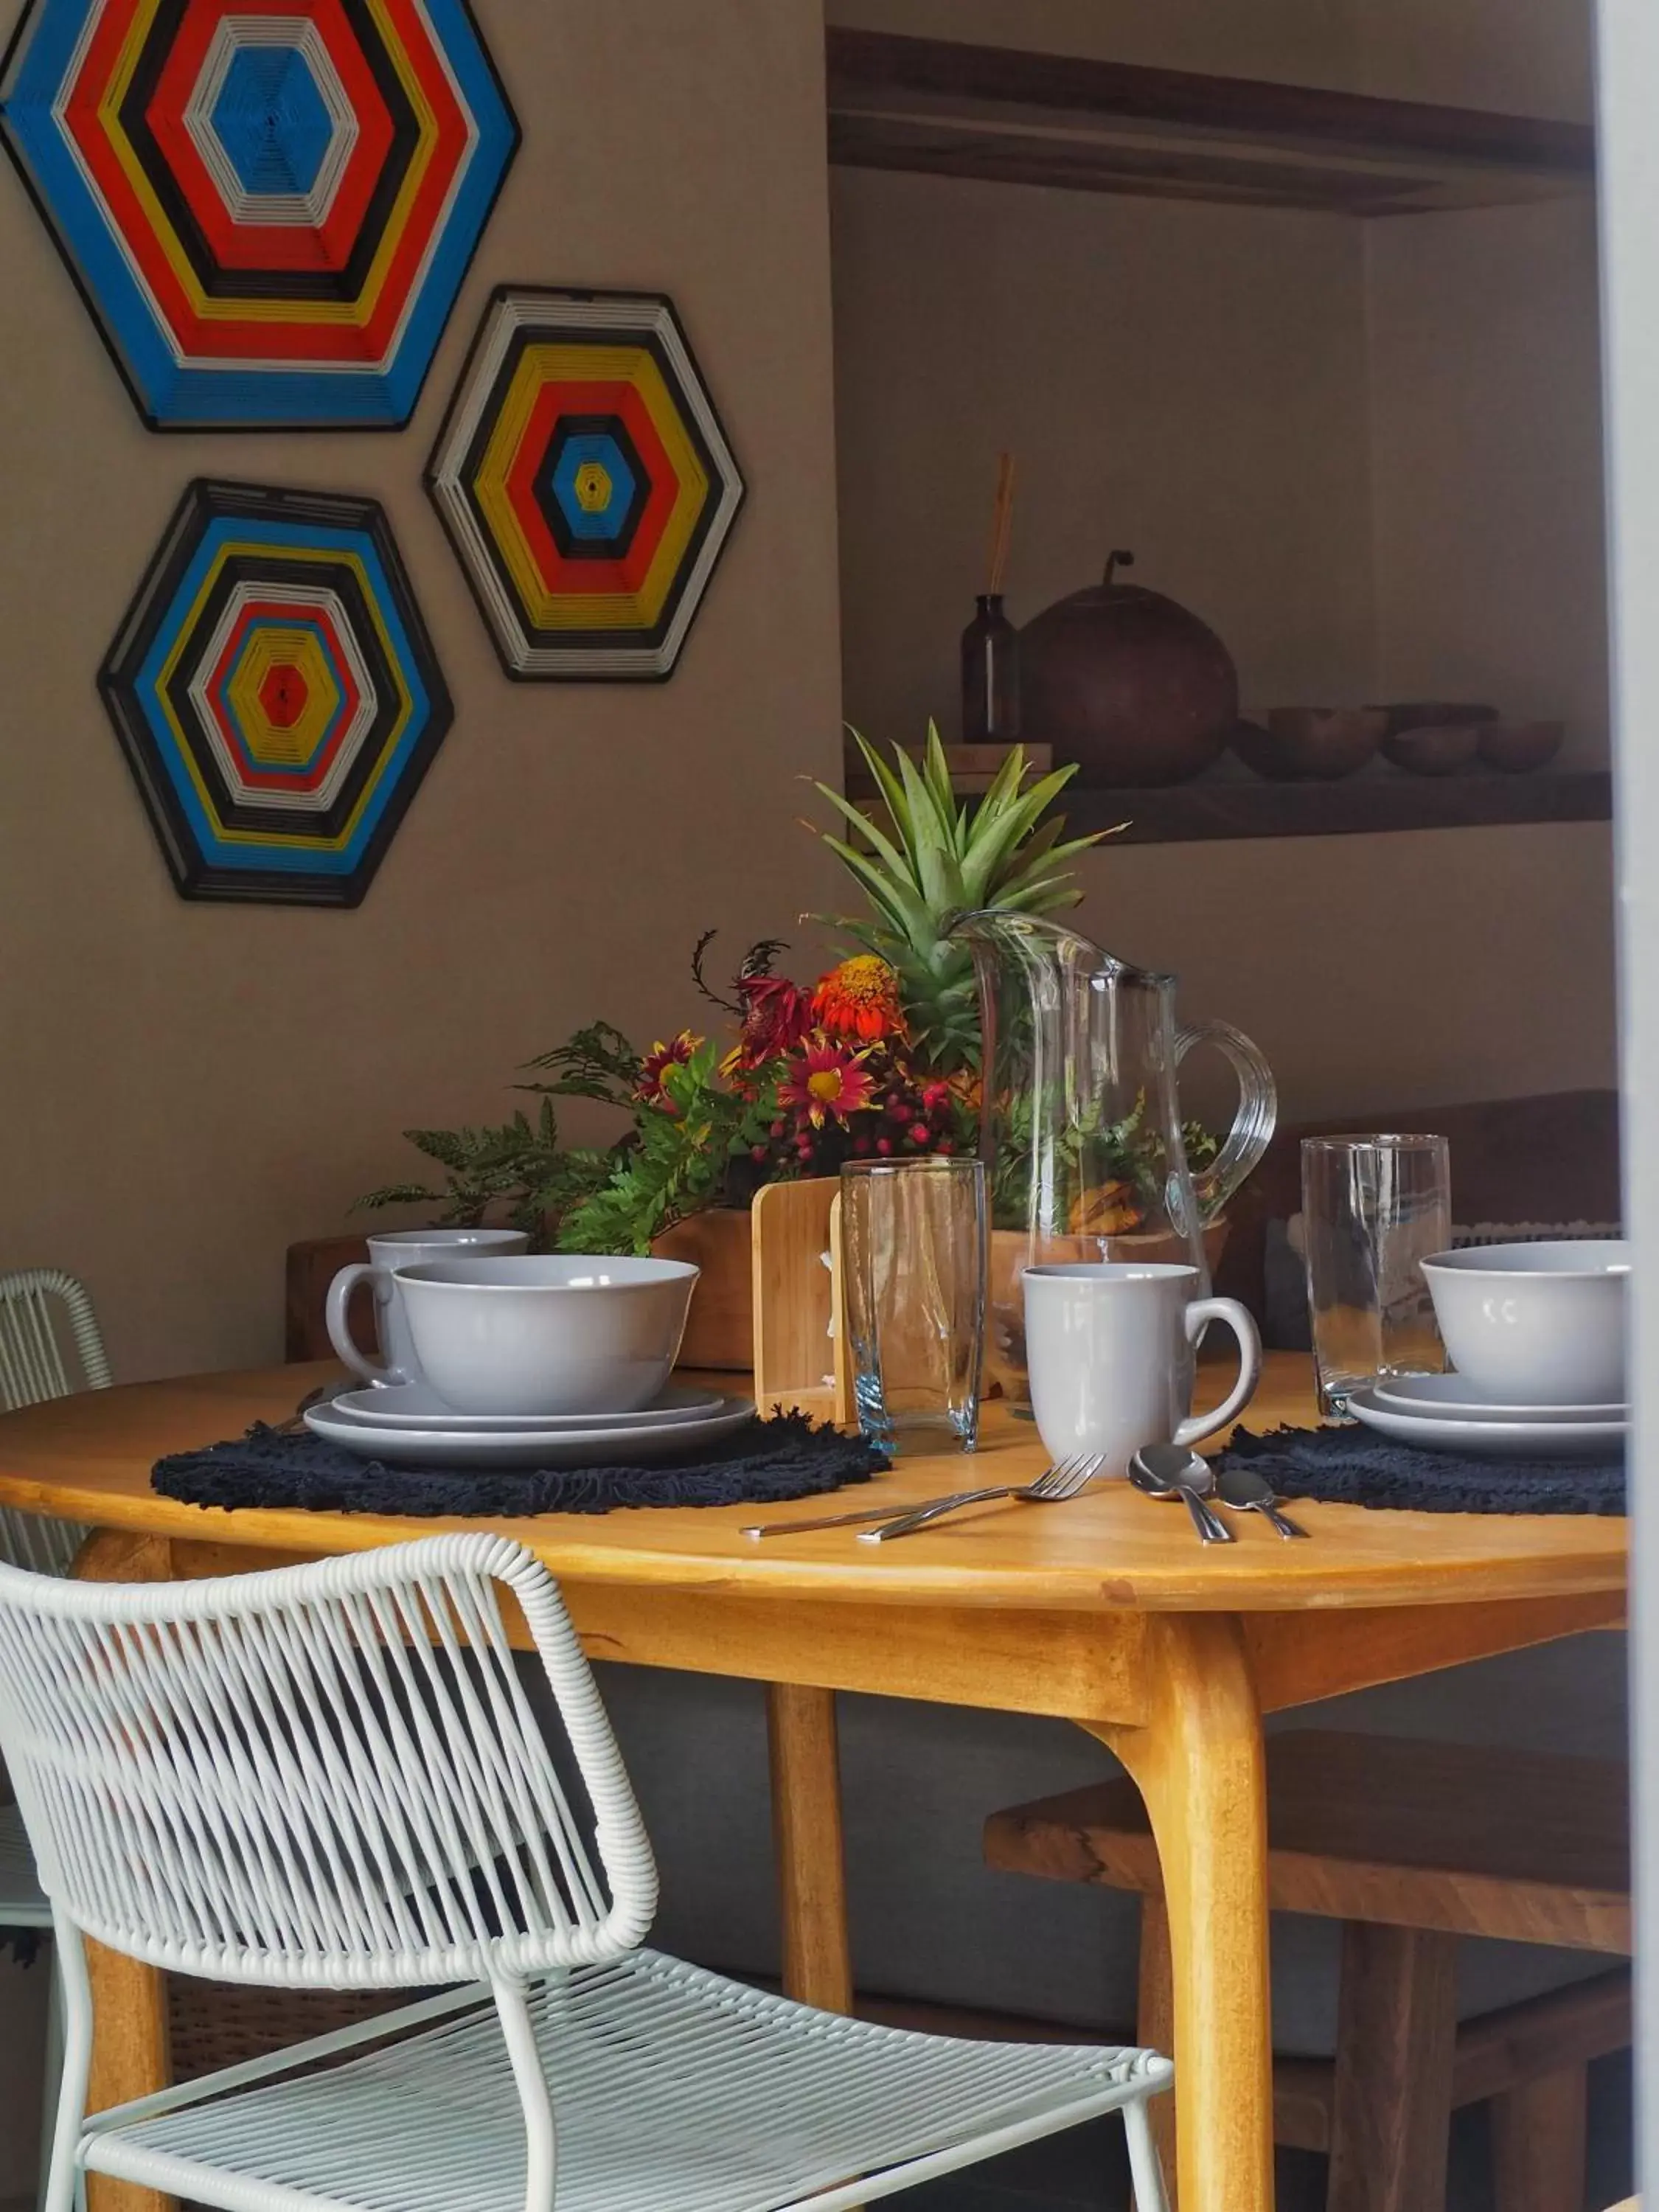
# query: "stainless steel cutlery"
[1159,1470]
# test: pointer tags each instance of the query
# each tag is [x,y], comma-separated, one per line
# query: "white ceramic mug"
[1111,1350]
[403,1248]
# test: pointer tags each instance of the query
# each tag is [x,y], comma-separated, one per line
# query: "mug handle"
[1199,1313]
[339,1333]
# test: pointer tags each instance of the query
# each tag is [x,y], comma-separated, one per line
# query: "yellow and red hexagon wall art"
[269,205]
[585,483]
[275,694]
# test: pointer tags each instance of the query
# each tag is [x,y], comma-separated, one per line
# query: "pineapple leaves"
[928,858]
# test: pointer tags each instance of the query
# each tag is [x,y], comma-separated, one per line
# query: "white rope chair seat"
[330,1776]
[675,2091]
[22,1901]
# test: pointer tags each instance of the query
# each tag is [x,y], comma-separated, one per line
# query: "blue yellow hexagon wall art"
[275,695]
[585,482]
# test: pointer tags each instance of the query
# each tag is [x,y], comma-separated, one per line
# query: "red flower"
[777,1016]
[824,1081]
[860,999]
[648,1089]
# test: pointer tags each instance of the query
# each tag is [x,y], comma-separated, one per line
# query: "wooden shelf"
[1385,799]
[996,113]
[1379,799]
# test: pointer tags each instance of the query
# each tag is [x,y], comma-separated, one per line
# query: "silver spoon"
[1247,1492]
[1172,1471]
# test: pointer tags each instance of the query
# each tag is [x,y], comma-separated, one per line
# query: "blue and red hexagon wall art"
[269,205]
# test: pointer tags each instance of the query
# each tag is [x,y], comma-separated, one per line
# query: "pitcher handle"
[1253,1124]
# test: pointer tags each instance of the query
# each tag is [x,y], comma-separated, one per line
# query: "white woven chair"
[36,1305]
[330,1776]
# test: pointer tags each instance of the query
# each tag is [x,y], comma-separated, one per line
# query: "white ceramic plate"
[1454,1397]
[1523,1439]
[524,1447]
[417,1406]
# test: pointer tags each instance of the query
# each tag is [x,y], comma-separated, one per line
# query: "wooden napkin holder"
[800,1311]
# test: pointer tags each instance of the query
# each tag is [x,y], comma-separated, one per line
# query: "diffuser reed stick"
[1002,522]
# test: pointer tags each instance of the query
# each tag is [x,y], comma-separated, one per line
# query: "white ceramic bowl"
[556,1334]
[1536,1324]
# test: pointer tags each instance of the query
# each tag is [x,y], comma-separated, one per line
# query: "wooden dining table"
[1104,1610]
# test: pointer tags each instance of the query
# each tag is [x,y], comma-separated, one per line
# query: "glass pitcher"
[1080,1125]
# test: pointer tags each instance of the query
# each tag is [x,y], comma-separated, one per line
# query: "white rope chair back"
[326,1776]
[38,1542]
[34,1302]
[32,1365]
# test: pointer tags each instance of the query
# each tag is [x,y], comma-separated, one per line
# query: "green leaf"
[891,790]
[938,775]
[886,851]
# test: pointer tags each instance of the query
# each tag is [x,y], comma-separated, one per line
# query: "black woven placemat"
[1357,1467]
[761,1463]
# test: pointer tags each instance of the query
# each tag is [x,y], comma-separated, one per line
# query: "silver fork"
[1036,1491]
[887,1512]
[1062,1480]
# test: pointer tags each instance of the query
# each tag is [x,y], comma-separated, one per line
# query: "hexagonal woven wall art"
[268,204]
[585,483]
[275,694]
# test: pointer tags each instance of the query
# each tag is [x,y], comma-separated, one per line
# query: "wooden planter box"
[720,1331]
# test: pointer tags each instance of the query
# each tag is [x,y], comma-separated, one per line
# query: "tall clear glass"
[913,1238]
[1372,1208]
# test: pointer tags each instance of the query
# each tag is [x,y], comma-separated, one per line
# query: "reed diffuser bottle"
[990,644]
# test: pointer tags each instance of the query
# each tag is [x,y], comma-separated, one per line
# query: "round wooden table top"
[88,1458]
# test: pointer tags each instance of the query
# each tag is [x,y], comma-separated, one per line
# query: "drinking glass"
[913,1241]
[1372,1208]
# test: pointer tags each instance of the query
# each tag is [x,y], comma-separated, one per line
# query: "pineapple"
[933,859]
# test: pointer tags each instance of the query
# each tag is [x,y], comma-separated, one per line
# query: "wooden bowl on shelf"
[1308,744]
[1437,749]
[1432,715]
[1519,747]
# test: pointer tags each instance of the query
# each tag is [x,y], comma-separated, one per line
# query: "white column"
[1629,74]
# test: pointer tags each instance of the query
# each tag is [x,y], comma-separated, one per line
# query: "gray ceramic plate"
[589,1447]
[417,1406]
[1525,1439]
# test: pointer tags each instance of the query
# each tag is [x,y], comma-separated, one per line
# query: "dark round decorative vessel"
[1128,683]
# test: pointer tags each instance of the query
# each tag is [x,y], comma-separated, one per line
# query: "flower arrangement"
[878,1058]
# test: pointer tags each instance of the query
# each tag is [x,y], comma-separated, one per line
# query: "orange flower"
[648,1089]
[860,999]
[825,1081]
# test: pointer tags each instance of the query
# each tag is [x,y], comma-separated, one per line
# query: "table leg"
[807,1839]
[129,2052]
[1198,1763]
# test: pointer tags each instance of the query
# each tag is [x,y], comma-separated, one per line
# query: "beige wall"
[1310,41]
[1487,450]
[1369,454]
[1189,382]
[1528,57]
[1411,969]
[186,1087]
